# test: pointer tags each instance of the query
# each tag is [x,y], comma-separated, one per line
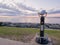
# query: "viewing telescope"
[41,39]
[42,13]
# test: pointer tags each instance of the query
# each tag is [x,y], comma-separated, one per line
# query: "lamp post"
[42,14]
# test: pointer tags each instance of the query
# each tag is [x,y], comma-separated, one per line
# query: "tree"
[0,23]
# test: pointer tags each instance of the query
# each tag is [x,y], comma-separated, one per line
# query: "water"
[29,19]
[52,20]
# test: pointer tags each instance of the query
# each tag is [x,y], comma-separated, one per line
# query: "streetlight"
[42,40]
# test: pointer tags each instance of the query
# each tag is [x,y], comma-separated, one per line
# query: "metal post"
[42,29]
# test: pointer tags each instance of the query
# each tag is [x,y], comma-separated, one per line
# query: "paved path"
[11,42]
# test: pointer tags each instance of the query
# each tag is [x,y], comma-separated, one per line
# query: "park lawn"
[18,34]
[55,36]
[26,34]
[54,33]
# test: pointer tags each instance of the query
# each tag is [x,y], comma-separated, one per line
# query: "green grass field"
[19,34]
[54,35]
[26,34]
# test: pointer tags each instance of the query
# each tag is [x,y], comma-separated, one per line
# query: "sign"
[42,27]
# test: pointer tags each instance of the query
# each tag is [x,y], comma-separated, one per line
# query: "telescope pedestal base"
[45,39]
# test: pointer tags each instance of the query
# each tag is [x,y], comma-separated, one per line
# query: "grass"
[19,34]
[55,35]
[26,34]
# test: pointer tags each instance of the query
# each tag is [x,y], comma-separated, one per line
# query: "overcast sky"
[38,4]
[45,4]
[51,5]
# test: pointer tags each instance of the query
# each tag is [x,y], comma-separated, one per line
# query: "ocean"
[19,19]
[52,20]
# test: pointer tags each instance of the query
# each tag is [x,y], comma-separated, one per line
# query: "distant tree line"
[0,23]
[30,25]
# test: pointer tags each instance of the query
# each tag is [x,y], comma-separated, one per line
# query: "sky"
[38,4]
[29,6]
[11,8]
[44,4]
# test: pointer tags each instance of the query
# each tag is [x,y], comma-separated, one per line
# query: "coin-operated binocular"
[42,40]
[42,13]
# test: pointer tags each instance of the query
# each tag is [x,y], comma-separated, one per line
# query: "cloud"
[8,12]
[14,10]
[24,7]
[54,11]
[5,10]
[5,6]
[21,10]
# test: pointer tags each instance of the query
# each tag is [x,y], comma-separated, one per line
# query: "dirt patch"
[27,39]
